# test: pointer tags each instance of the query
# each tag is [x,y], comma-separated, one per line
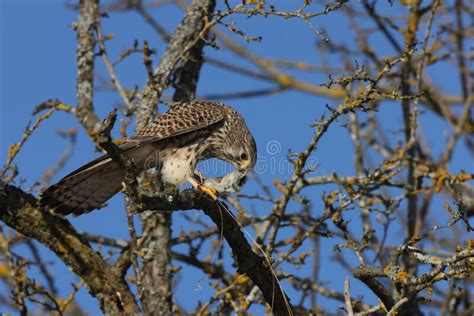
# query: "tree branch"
[184,39]
[19,211]
[248,262]
[85,56]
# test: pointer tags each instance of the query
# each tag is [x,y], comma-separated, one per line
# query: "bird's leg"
[198,175]
[201,187]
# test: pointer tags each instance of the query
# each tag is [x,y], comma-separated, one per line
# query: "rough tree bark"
[19,211]
[85,56]
[157,269]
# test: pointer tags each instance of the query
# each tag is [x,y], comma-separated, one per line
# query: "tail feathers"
[85,189]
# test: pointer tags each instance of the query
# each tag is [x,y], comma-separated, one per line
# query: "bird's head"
[242,152]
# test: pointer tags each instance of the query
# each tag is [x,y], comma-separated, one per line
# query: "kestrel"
[181,137]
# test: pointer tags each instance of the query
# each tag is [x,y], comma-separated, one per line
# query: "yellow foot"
[210,191]
[201,187]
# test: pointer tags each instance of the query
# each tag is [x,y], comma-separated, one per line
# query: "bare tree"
[399,180]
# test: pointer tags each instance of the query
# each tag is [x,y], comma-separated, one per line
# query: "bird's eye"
[244,156]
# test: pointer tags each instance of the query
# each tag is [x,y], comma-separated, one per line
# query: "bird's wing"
[182,118]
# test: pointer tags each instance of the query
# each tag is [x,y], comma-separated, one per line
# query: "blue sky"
[38,63]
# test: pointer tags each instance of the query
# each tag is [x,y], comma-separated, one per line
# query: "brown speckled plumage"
[174,143]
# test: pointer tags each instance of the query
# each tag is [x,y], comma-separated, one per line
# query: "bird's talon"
[210,191]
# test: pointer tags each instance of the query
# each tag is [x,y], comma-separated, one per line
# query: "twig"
[15,148]
[347,298]
[109,65]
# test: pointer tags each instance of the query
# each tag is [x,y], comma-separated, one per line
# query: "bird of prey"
[181,137]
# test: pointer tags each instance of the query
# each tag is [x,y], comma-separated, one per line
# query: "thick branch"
[249,263]
[85,55]
[186,36]
[157,269]
[19,211]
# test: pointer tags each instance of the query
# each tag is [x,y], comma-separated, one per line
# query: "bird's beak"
[245,165]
